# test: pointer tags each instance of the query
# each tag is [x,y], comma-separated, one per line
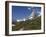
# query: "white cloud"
[21,20]
[18,20]
[24,19]
[29,8]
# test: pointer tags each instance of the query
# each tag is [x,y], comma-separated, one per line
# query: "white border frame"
[28,31]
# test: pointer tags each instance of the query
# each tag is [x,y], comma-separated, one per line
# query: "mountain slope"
[33,24]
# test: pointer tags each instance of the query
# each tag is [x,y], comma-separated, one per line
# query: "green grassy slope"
[28,24]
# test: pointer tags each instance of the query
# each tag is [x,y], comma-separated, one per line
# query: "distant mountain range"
[31,16]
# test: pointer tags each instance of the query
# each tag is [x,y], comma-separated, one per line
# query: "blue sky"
[20,12]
